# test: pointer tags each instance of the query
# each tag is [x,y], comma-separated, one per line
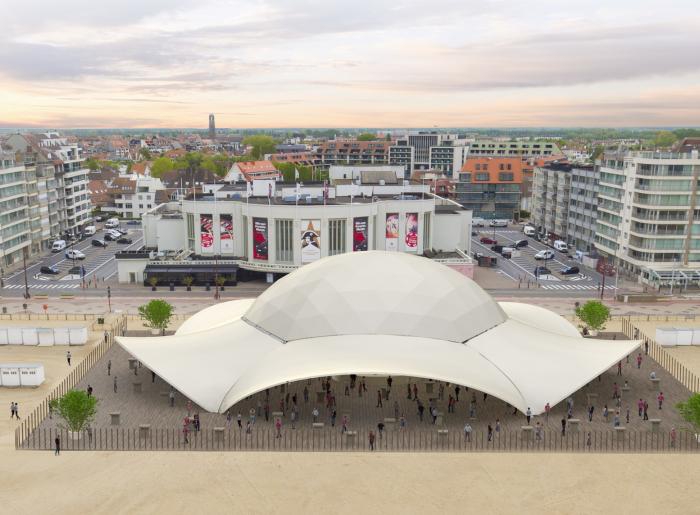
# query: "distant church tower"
[212,127]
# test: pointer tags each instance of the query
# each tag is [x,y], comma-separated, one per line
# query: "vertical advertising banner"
[206,233]
[392,231]
[359,234]
[411,232]
[226,233]
[310,241]
[260,238]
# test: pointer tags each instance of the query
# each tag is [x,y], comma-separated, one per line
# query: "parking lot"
[521,266]
[99,263]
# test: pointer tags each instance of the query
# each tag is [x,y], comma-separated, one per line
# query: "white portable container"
[30,336]
[10,375]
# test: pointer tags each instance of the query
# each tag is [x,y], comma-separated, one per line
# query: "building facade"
[19,215]
[133,196]
[649,214]
[491,187]
[352,152]
[497,148]
[583,208]
[550,202]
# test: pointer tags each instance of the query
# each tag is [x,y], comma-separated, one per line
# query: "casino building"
[268,229]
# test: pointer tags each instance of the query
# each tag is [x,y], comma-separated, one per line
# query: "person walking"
[314,414]
[251,415]
[239,420]
[627,418]
[89,391]
[606,412]
[588,440]
[115,384]
[344,424]
[489,433]
[396,410]
[616,391]
[57,446]
[278,427]
[408,390]
[389,381]
[672,437]
[68,357]
[267,411]
[153,376]
[547,409]
[293,418]
[402,422]
[380,429]
[591,408]
[640,407]
[371,440]
[334,414]
[109,367]
[639,361]
[415,391]
[379,399]
[619,368]
[229,418]
[306,394]
[563,427]
[646,347]
[528,415]
[646,411]
[171,398]
[421,408]
[660,399]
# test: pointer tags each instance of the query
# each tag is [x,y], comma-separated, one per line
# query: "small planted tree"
[593,314]
[153,281]
[156,314]
[690,411]
[220,281]
[187,281]
[76,408]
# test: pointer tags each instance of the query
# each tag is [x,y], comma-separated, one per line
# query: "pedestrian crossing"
[575,287]
[43,286]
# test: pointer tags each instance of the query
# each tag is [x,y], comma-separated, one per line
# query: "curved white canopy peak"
[525,355]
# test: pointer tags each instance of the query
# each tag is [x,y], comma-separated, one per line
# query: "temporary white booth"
[673,336]
[21,374]
[74,335]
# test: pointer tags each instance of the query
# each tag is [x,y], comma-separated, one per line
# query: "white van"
[529,230]
[561,246]
[58,246]
[112,223]
[90,230]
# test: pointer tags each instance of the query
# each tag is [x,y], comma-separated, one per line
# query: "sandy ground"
[198,482]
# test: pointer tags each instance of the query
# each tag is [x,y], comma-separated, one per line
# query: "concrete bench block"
[218,434]
[620,432]
[443,432]
[318,425]
[144,430]
[137,386]
[573,424]
[656,384]
[626,388]
[389,421]
[133,363]
[277,414]
[655,425]
[429,387]
[526,432]
[115,418]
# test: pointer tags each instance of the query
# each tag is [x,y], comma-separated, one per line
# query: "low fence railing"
[674,367]
[33,420]
[327,439]
[65,317]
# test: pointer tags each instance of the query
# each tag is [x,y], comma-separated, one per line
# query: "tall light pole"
[109,298]
[26,284]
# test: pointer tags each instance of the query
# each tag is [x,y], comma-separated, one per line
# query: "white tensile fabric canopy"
[377,313]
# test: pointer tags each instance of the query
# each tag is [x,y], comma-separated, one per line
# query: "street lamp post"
[109,298]
[26,284]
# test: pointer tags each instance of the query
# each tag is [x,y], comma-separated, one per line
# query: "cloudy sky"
[365,63]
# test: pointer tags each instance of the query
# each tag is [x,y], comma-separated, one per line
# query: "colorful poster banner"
[226,233]
[360,234]
[206,233]
[310,241]
[392,231]
[411,237]
[260,238]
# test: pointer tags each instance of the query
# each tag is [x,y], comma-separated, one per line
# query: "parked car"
[545,254]
[133,222]
[49,270]
[99,218]
[569,270]
[58,246]
[520,244]
[74,254]
[124,240]
[542,270]
[497,248]
[507,250]
[111,237]
[112,223]
[488,240]
[99,243]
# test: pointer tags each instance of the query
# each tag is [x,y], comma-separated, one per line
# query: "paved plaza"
[151,405]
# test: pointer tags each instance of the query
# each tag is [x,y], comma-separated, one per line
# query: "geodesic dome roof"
[377,313]
[373,293]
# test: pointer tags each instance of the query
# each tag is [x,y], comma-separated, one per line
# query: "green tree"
[593,314]
[366,136]
[76,408]
[664,139]
[288,174]
[597,152]
[690,411]
[157,314]
[161,166]
[92,163]
[261,143]
[145,153]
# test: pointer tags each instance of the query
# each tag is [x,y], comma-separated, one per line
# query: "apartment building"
[430,151]
[132,196]
[403,155]
[18,220]
[550,202]
[649,214]
[448,157]
[352,152]
[513,148]
[57,182]
[583,208]
[491,187]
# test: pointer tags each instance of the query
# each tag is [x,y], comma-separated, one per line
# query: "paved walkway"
[151,406]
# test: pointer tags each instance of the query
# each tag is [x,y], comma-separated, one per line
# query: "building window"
[190,231]
[505,176]
[336,237]
[478,166]
[482,177]
[426,231]
[284,249]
